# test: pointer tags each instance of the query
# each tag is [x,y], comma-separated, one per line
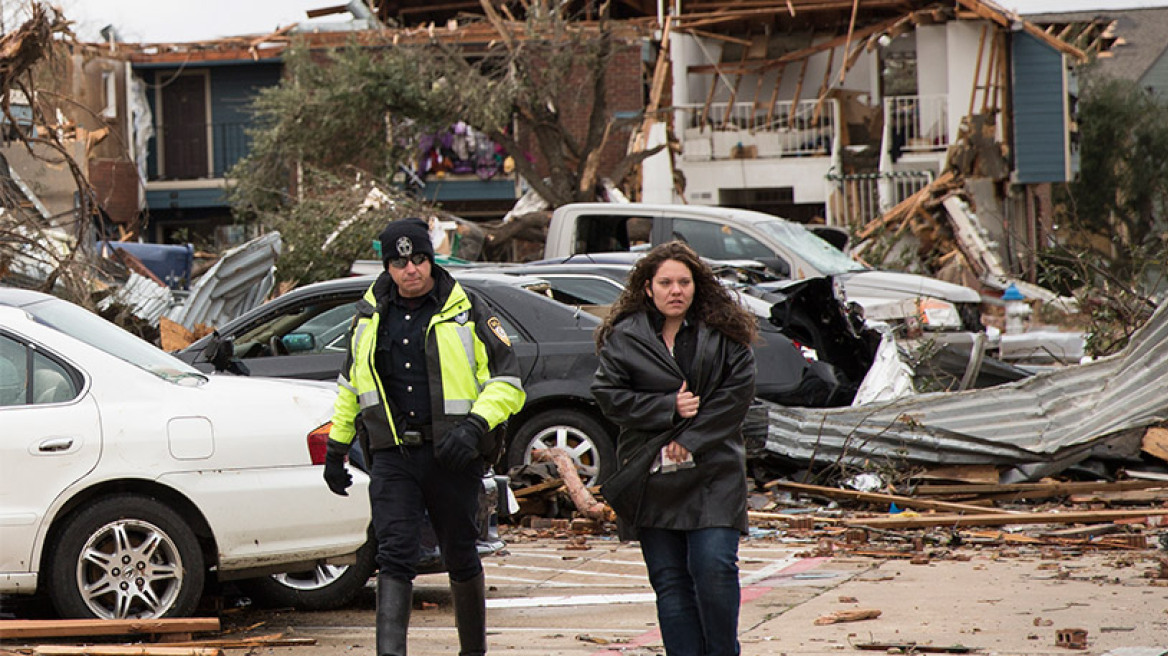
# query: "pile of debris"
[926,521]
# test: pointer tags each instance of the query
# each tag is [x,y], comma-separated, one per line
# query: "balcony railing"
[860,197]
[916,123]
[753,131]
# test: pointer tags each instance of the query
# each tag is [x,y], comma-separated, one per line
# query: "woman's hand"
[676,452]
[687,403]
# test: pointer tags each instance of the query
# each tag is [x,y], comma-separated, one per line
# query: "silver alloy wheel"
[128,569]
[576,443]
[313,579]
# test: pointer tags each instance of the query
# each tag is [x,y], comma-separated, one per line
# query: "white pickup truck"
[787,248]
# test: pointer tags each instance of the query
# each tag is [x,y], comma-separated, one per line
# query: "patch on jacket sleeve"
[496,327]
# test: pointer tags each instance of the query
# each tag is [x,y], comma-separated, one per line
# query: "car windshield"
[827,259]
[85,326]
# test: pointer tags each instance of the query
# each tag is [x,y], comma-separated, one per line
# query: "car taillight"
[318,443]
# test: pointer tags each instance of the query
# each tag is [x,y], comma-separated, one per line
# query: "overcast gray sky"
[187,20]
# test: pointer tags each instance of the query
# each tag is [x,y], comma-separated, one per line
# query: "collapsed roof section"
[853,21]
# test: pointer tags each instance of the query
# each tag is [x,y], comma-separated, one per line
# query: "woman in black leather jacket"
[677,375]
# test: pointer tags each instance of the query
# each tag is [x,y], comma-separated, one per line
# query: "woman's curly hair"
[713,304]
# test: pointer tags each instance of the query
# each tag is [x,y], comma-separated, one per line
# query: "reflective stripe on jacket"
[465,345]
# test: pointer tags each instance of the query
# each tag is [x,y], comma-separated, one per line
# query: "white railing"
[916,123]
[857,198]
[750,131]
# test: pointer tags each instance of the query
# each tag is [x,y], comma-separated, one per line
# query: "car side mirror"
[299,342]
[778,265]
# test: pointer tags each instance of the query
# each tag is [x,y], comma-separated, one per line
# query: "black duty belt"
[417,435]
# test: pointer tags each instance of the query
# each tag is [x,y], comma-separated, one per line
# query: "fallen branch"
[585,503]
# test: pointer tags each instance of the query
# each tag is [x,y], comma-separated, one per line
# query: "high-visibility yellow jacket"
[469,362]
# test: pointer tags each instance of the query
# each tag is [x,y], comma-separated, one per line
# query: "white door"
[50,436]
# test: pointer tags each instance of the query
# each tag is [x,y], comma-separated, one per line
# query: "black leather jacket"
[636,387]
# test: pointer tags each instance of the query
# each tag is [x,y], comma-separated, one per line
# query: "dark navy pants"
[407,483]
[695,577]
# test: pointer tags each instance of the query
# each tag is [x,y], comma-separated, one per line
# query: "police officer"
[429,374]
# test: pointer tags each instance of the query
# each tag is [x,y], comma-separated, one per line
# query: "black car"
[302,335]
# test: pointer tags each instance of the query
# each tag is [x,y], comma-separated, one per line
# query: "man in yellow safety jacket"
[429,376]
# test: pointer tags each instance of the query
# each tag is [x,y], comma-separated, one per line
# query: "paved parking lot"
[546,598]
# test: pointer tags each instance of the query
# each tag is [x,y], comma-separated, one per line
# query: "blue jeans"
[695,576]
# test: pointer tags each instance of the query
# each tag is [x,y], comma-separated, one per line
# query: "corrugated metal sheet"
[1039,425]
[239,281]
[146,299]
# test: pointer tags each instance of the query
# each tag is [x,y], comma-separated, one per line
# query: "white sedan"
[127,476]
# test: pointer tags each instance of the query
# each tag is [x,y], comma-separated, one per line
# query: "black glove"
[460,446]
[336,475]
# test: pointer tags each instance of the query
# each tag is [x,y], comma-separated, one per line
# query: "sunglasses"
[400,262]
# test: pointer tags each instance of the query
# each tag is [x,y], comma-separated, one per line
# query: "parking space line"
[576,600]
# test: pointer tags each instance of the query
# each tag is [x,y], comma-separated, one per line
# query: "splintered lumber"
[124,650]
[551,484]
[60,628]
[1155,443]
[1036,490]
[271,640]
[585,503]
[1073,517]
[872,497]
[852,615]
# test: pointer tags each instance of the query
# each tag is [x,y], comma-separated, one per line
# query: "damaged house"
[840,111]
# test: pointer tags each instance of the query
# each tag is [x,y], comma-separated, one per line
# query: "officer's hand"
[336,475]
[460,446]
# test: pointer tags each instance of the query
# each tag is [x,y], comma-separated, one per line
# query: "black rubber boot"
[394,600]
[470,615]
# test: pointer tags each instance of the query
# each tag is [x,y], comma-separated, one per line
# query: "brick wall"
[625,93]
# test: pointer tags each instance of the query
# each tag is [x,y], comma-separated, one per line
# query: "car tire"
[325,587]
[582,436]
[98,542]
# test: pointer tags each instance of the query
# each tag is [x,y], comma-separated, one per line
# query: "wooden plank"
[58,628]
[974,474]
[977,67]
[770,117]
[123,650]
[824,87]
[1074,517]
[798,91]
[872,497]
[268,640]
[1155,443]
[1046,489]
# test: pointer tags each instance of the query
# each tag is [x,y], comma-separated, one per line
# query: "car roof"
[16,297]
[679,211]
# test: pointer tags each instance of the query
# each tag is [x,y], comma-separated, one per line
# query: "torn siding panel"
[1039,425]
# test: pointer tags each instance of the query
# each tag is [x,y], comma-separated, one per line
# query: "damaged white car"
[128,477]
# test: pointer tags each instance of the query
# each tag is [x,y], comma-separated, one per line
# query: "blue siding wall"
[1040,129]
[232,90]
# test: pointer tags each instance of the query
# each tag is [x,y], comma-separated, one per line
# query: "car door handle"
[53,445]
